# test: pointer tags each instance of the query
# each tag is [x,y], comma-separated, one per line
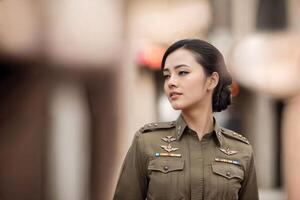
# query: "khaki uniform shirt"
[166,161]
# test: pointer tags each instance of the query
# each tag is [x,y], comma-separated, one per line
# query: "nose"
[172,82]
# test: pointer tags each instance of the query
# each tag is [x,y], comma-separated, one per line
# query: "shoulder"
[156,126]
[234,136]
[151,133]
[239,143]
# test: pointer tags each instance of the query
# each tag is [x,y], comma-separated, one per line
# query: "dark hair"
[212,61]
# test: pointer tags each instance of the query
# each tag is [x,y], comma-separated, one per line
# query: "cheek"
[165,87]
[195,90]
[195,84]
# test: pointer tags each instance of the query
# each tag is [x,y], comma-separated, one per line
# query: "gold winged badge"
[168,138]
[228,151]
[168,148]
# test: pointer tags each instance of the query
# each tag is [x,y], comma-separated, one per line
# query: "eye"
[183,73]
[166,76]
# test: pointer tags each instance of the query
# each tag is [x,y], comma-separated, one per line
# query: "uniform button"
[228,173]
[166,167]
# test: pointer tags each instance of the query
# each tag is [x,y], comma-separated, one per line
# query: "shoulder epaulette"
[234,135]
[156,126]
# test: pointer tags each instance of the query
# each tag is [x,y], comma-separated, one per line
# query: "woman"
[192,157]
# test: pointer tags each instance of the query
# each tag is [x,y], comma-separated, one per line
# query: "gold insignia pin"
[157,154]
[236,162]
[228,151]
[168,138]
[168,148]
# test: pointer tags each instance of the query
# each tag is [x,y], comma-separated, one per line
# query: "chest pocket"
[228,171]
[166,178]
[165,166]
[227,179]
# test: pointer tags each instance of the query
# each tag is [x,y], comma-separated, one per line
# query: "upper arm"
[132,183]
[249,190]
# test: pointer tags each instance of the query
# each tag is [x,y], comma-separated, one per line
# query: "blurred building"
[79,78]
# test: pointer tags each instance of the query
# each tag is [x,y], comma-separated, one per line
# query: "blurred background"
[78,78]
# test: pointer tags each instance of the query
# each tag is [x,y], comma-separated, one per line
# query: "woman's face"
[186,83]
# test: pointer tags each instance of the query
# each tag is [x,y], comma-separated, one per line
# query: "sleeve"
[132,183]
[249,190]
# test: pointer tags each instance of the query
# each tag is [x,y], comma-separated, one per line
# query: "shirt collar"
[181,125]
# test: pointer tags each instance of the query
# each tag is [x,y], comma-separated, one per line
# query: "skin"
[190,90]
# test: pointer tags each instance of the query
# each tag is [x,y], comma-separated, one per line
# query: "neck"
[200,119]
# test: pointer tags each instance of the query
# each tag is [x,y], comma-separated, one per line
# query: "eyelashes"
[183,73]
[166,76]
[180,73]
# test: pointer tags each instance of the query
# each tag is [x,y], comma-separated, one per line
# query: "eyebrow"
[176,67]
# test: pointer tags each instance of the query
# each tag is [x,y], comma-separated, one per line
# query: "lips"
[174,95]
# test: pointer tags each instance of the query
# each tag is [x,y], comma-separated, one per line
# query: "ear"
[213,81]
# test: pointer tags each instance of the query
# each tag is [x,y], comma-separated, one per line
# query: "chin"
[183,106]
[177,106]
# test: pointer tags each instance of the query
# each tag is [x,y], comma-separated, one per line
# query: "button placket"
[197,169]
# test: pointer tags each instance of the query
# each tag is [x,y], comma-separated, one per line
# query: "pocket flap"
[165,166]
[228,170]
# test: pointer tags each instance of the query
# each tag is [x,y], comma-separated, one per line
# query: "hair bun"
[221,98]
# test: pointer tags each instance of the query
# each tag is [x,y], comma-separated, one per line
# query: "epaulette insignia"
[234,135]
[155,126]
